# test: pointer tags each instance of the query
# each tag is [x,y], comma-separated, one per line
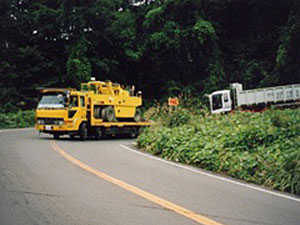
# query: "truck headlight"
[40,121]
[58,122]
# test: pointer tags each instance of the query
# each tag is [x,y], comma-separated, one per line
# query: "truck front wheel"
[83,131]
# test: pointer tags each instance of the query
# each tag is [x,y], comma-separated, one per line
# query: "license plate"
[48,128]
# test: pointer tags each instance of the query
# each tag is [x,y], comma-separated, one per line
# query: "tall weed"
[262,148]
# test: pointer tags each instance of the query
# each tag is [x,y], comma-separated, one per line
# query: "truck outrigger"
[98,109]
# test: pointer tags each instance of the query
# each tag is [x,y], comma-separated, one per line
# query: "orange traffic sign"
[173,101]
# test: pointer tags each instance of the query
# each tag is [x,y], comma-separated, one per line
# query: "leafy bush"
[17,120]
[262,148]
[177,118]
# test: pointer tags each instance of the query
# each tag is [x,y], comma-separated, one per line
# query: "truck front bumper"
[55,128]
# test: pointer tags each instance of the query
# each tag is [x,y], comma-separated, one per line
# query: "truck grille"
[50,121]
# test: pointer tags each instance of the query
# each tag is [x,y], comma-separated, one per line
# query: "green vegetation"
[198,43]
[263,148]
[19,119]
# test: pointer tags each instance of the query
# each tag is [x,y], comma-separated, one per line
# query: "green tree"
[288,52]
[187,43]
[78,65]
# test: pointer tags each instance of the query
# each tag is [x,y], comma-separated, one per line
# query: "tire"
[98,133]
[56,136]
[134,131]
[97,113]
[103,113]
[137,115]
[109,114]
[72,136]
[83,131]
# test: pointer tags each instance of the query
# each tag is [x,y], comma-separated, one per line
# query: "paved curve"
[39,186]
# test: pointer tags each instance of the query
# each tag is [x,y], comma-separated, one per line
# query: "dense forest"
[164,47]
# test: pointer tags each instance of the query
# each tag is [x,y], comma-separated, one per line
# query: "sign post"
[173,103]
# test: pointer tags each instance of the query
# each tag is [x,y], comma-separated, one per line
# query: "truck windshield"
[52,101]
[217,102]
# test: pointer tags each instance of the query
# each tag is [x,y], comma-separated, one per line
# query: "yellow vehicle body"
[94,110]
[59,119]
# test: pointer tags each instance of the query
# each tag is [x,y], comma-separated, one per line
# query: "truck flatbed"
[123,124]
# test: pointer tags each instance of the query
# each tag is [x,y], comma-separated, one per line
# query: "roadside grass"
[18,119]
[262,148]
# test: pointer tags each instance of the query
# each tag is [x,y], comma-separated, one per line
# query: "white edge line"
[210,175]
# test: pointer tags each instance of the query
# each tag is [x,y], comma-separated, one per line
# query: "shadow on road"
[89,139]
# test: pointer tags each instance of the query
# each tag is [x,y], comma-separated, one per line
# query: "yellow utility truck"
[99,109]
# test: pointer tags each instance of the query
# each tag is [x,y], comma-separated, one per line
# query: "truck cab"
[220,101]
[61,111]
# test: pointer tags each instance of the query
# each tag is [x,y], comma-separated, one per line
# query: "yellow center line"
[144,194]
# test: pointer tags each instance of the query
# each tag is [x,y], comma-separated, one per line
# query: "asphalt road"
[43,181]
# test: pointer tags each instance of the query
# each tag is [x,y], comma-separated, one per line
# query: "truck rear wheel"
[83,131]
[98,133]
[134,131]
